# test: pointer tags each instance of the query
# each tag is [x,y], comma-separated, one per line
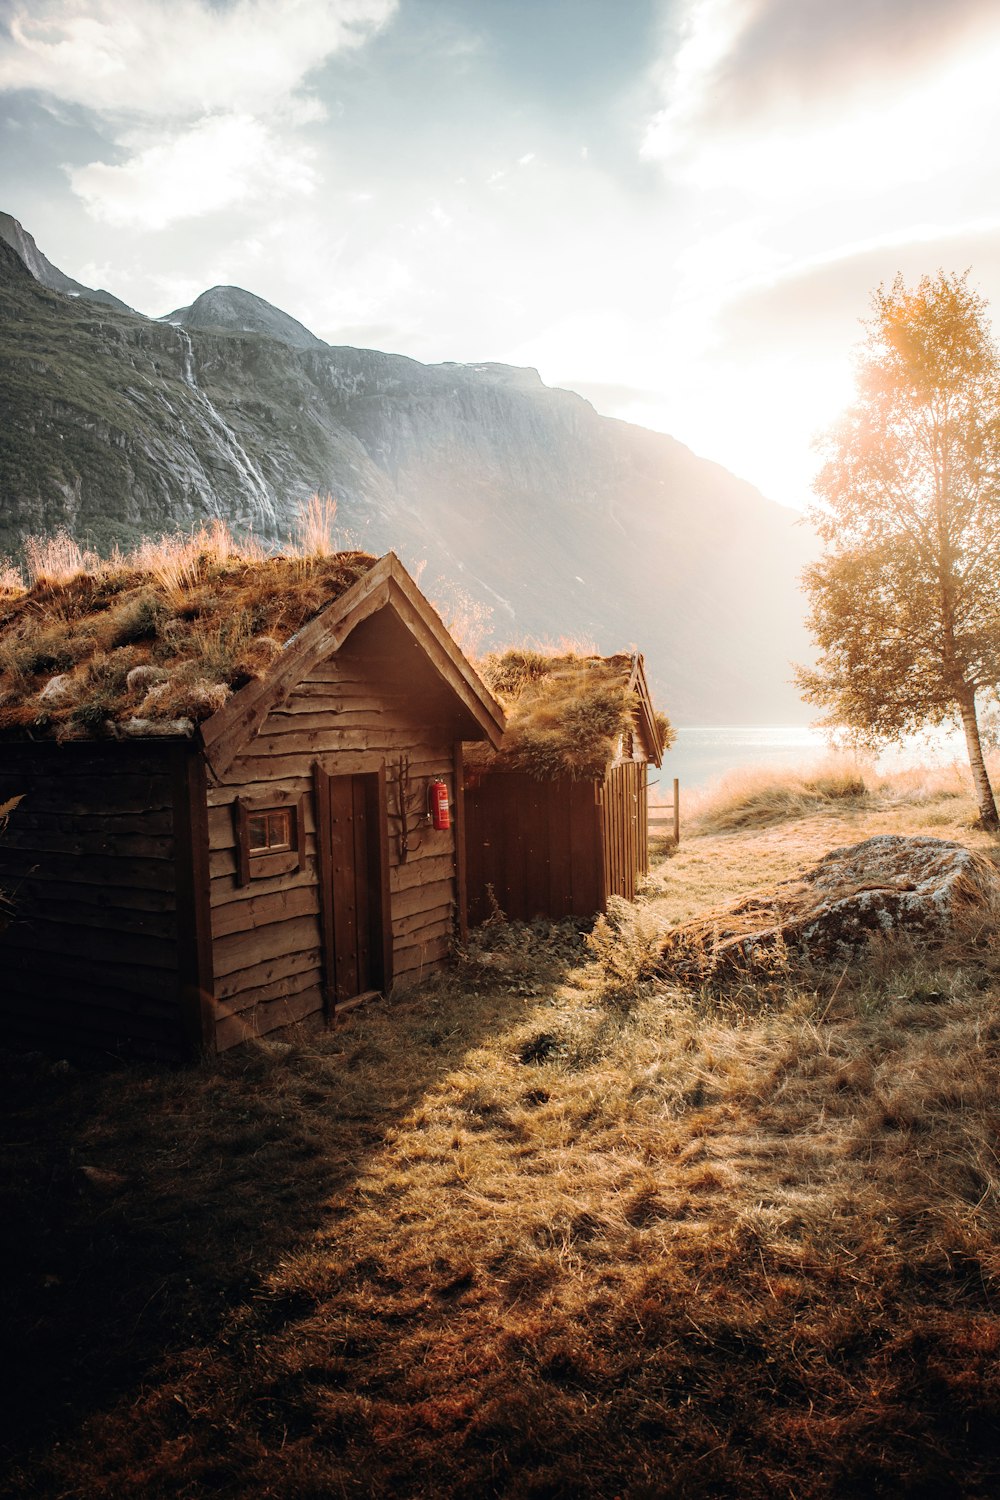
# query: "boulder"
[888,884]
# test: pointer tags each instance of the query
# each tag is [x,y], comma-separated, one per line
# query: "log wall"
[91,956]
[267,935]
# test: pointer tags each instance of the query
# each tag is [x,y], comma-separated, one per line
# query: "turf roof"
[566,714]
[123,649]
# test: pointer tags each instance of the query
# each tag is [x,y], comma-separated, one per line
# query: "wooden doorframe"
[372,768]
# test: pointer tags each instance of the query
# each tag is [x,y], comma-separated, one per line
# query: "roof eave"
[386,584]
[639,686]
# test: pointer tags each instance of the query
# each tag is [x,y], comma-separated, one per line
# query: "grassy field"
[541,1229]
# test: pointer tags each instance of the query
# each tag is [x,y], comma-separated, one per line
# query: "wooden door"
[353,885]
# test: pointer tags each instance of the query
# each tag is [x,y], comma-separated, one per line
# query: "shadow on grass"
[141,1208]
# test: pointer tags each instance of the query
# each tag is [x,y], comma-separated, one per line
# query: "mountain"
[44,271]
[515,496]
[231,308]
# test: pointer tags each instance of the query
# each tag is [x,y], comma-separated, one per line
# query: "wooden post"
[674,810]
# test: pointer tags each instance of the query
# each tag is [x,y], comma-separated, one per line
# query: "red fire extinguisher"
[437,794]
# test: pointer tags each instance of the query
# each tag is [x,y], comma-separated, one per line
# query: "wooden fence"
[671,815]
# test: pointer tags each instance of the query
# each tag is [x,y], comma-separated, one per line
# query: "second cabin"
[557,817]
[240,787]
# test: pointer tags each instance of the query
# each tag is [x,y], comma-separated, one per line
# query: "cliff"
[564,522]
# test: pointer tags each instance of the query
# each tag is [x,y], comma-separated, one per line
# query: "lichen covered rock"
[889,884]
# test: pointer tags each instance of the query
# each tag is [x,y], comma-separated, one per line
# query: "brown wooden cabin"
[560,846]
[176,895]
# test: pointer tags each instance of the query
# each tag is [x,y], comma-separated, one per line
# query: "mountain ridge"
[41,268]
[514,495]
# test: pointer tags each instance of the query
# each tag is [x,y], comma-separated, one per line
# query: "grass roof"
[566,713]
[155,641]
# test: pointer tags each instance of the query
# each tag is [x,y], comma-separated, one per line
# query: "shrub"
[626,945]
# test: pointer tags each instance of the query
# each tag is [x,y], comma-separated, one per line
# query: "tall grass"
[57,559]
[315,527]
[11,579]
[755,796]
[468,620]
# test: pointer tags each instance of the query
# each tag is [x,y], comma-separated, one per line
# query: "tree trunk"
[980,779]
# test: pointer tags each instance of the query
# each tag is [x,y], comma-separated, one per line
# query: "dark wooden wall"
[554,848]
[536,843]
[371,701]
[93,958]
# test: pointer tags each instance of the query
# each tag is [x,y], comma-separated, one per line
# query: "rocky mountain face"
[233,310]
[514,496]
[44,271]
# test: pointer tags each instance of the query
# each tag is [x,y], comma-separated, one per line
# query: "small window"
[269,831]
[269,840]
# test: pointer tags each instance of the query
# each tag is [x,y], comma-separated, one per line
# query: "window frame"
[285,859]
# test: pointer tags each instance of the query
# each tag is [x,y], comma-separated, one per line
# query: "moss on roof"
[566,714]
[155,642]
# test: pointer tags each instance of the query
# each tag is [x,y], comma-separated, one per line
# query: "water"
[703,755]
[250,475]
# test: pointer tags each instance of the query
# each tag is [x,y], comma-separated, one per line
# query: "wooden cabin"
[181,886]
[556,819]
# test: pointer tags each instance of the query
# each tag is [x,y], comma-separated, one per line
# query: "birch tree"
[905,601]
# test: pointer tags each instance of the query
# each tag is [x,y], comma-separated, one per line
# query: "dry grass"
[11,581]
[180,561]
[57,559]
[159,637]
[468,620]
[535,1230]
[316,527]
[734,840]
[757,795]
[565,713]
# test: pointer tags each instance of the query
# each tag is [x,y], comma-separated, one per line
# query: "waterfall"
[250,475]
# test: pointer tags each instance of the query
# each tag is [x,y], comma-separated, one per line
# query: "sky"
[679,208]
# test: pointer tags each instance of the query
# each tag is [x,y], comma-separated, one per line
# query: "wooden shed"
[556,819]
[183,881]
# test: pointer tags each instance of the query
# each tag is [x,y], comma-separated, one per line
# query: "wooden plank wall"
[535,843]
[267,940]
[90,958]
[624,820]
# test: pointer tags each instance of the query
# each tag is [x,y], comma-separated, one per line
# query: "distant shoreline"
[703,754]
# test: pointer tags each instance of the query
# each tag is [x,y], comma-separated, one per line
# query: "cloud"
[820,302]
[734,62]
[794,48]
[778,349]
[215,164]
[781,170]
[202,101]
[776,98]
[178,58]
